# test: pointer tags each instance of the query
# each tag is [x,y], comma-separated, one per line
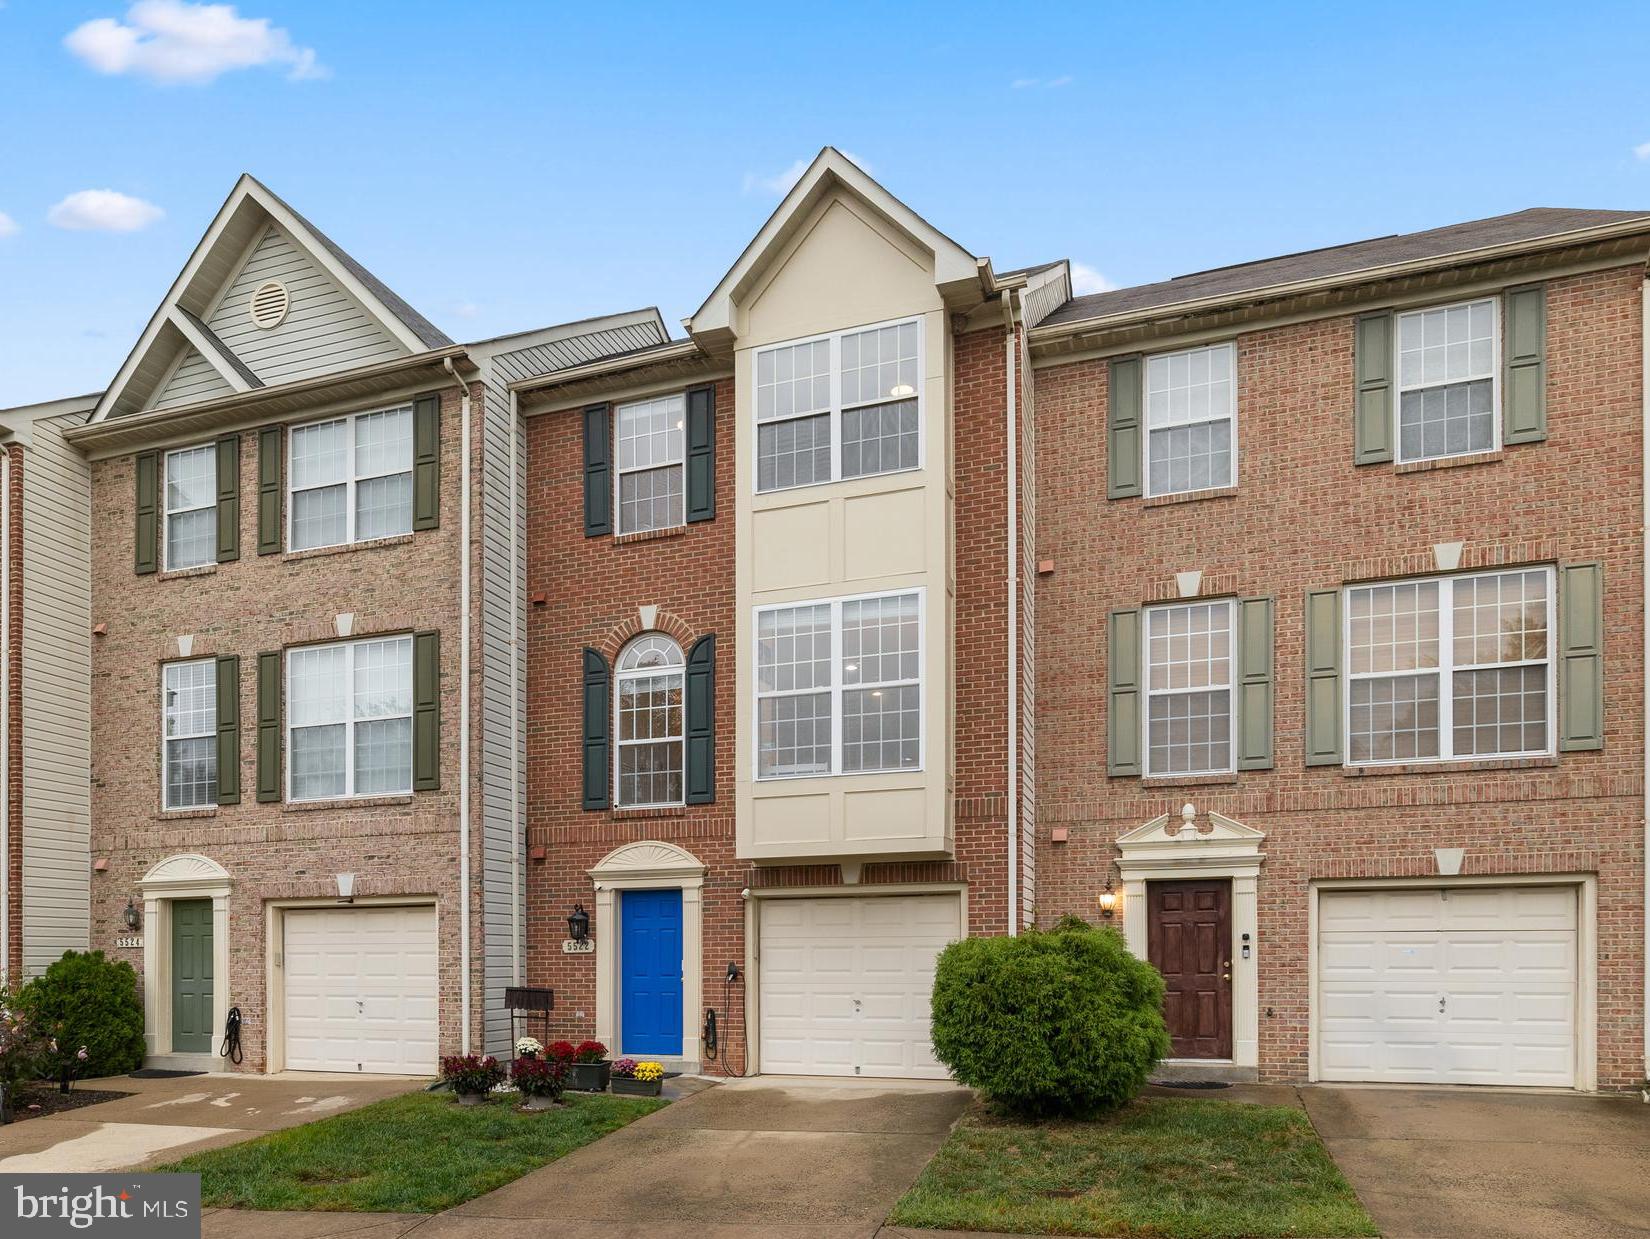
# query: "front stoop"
[1181,1070]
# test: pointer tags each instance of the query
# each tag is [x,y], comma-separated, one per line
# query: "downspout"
[463,702]
[1012,430]
[516,841]
[5,716]
[1644,615]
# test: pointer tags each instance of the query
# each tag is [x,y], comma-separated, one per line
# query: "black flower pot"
[589,1077]
[638,1088]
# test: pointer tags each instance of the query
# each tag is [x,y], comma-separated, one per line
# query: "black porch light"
[131,916]
[578,923]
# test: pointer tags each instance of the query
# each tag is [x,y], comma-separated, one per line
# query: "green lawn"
[420,1153]
[1176,1168]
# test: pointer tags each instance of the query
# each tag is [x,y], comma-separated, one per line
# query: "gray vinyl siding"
[503,862]
[324,330]
[57,693]
[194,379]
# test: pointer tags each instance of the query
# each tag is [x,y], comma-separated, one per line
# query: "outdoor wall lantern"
[578,923]
[346,887]
[1108,901]
[131,916]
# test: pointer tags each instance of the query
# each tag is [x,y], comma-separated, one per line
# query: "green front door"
[191,976]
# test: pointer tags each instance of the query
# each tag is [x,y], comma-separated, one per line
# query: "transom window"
[350,479]
[349,719]
[1447,384]
[649,723]
[847,405]
[839,686]
[1450,667]
[191,507]
[1191,409]
[189,721]
[650,443]
[1189,688]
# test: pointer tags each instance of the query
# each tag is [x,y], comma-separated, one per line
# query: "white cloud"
[1085,280]
[779,183]
[467,309]
[103,210]
[1042,83]
[8,226]
[173,41]
[1642,151]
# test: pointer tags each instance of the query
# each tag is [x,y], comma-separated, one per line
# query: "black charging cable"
[733,974]
[231,1048]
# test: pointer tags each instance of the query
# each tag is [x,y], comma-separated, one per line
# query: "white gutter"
[463,703]
[516,841]
[5,716]
[1012,429]
[1644,542]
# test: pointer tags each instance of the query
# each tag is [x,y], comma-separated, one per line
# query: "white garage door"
[1464,985]
[361,990]
[846,982]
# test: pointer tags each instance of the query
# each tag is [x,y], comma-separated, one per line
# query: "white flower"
[528,1045]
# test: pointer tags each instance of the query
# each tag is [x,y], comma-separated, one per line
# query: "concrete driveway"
[1430,1163]
[792,1160]
[166,1119]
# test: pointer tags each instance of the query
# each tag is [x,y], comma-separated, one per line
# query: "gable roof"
[180,323]
[1534,224]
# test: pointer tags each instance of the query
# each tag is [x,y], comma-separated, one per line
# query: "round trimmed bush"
[87,999]
[1066,1021]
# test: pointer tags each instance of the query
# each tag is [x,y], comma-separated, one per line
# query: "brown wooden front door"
[1189,940]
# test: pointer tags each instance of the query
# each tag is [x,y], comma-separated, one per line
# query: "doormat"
[1191,1084]
[155,1073]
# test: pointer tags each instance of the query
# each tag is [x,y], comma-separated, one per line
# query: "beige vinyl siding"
[324,330]
[194,379]
[57,691]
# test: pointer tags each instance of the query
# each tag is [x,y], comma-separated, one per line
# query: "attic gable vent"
[269,304]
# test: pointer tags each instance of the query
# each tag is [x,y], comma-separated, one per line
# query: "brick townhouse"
[1289,616]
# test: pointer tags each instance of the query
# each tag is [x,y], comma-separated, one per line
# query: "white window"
[191,507]
[1451,667]
[1191,416]
[839,686]
[1448,390]
[349,719]
[189,726]
[650,442]
[847,405]
[1189,688]
[350,479]
[649,723]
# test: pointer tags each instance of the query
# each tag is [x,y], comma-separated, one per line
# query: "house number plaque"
[130,940]
[572,946]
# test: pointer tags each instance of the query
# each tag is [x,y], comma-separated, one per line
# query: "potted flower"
[640,1079]
[471,1077]
[528,1047]
[561,1051]
[590,1067]
[539,1081]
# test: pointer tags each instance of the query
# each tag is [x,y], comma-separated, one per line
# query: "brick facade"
[1303,517]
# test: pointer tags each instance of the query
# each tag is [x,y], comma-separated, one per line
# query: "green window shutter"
[1123,693]
[1372,415]
[228,672]
[598,471]
[1581,655]
[701,453]
[701,722]
[1323,677]
[426,462]
[1524,394]
[1254,712]
[229,498]
[426,711]
[1123,442]
[597,794]
[271,470]
[147,556]
[269,726]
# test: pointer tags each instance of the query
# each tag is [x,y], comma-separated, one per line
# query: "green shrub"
[1047,1023]
[86,999]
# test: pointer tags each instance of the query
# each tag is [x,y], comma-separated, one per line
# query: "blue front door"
[650,970]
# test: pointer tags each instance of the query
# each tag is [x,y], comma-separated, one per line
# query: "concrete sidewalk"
[170,1118]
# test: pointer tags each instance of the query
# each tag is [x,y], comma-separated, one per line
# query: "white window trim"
[680,463]
[351,479]
[836,687]
[168,512]
[1146,685]
[349,648]
[836,407]
[165,747]
[1447,667]
[1146,425]
[679,670]
[1398,388]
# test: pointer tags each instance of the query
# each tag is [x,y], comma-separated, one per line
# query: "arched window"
[648,725]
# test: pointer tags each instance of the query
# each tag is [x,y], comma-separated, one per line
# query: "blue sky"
[505,166]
